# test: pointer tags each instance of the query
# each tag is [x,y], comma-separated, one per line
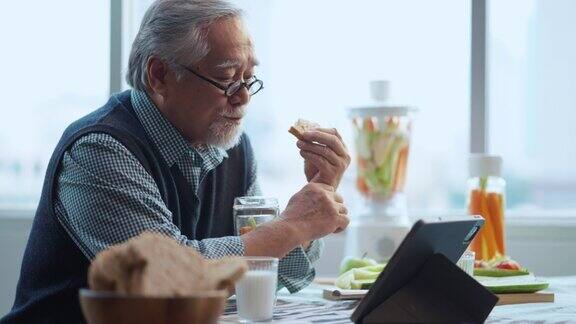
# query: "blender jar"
[382,140]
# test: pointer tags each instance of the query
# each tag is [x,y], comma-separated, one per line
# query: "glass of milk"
[256,291]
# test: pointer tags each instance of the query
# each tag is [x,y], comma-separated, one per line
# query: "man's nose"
[241,97]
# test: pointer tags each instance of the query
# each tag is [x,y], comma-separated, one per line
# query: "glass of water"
[256,290]
[466,262]
[251,211]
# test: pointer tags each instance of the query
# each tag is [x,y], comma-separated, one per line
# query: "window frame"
[478,87]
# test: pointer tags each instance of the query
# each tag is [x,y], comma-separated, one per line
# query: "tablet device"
[447,236]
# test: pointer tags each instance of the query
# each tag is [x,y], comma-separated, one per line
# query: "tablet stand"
[440,292]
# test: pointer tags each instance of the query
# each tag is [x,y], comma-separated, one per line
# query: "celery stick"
[374,268]
[252,222]
[483,183]
[360,273]
[345,279]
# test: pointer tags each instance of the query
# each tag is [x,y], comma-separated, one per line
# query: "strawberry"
[508,265]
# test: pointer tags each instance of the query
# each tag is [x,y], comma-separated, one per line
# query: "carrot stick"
[474,203]
[369,124]
[400,175]
[486,245]
[485,252]
[392,122]
[474,208]
[489,232]
[476,246]
[361,185]
[361,163]
[502,204]
[496,211]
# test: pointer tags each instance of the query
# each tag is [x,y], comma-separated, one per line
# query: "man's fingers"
[324,151]
[343,219]
[332,131]
[325,186]
[343,223]
[330,140]
[317,160]
[343,210]
[338,198]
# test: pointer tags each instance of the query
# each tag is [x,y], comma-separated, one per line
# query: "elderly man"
[169,156]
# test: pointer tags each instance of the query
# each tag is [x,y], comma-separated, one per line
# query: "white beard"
[224,134]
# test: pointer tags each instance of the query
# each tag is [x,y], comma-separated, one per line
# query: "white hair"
[172,29]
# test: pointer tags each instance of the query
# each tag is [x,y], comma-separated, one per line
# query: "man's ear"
[157,72]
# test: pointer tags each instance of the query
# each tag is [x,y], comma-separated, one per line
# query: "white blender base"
[377,239]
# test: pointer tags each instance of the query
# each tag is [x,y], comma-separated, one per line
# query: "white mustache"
[233,116]
[237,113]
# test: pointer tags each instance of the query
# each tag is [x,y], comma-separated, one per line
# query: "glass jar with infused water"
[486,197]
[251,211]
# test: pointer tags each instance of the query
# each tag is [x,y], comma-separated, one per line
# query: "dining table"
[308,306]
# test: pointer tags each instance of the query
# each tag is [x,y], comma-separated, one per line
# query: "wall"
[14,231]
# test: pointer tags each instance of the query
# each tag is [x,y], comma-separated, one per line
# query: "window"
[532,100]
[55,69]
[318,71]
[317,59]
[132,14]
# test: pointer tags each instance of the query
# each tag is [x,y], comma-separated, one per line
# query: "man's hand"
[316,211]
[313,212]
[325,156]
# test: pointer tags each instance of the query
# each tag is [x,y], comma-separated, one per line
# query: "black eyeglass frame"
[234,87]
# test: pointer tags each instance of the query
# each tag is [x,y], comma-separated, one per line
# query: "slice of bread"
[301,126]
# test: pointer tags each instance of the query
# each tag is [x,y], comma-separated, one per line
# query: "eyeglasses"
[253,84]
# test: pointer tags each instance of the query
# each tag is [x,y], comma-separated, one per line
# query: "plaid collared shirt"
[105,196]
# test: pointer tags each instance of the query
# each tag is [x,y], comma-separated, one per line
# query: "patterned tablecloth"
[308,306]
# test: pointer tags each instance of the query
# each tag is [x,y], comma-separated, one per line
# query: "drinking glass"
[251,211]
[256,290]
[466,262]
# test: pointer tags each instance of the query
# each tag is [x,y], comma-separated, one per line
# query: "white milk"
[256,295]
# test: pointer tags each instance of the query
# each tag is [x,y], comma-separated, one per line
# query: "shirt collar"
[171,144]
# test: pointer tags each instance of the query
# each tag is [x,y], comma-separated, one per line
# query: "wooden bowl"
[109,307]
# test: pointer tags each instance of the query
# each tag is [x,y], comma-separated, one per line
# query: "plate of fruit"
[502,275]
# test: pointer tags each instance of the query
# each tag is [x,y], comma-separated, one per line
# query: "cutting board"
[503,299]
[510,290]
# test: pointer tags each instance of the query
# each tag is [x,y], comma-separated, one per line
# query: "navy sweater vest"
[54,268]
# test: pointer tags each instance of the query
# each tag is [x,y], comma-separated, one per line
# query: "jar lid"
[484,165]
[379,91]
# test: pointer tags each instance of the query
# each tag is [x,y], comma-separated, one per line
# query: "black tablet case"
[441,292]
